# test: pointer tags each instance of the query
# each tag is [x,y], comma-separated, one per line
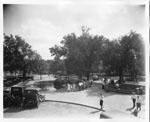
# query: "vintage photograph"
[74,60]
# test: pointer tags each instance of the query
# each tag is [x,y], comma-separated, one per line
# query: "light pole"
[25,66]
[100,64]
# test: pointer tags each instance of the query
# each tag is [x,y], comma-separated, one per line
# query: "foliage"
[80,53]
[56,66]
[18,55]
[133,52]
[125,55]
[88,53]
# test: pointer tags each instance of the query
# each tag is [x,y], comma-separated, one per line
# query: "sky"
[43,26]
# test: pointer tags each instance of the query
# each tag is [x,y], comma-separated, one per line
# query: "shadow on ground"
[13,110]
[129,109]
[94,112]
[17,109]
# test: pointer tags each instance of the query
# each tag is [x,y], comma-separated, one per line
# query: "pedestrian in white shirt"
[133,97]
[68,87]
[101,98]
[138,103]
[71,86]
[74,86]
[91,81]
[80,86]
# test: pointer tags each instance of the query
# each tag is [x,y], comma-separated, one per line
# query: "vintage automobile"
[60,82]
[11,80]
[17,93]
[125,88]
[95,77]
[32,97]
[26,78]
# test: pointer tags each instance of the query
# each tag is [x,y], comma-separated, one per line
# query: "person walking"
[133,97]
[138,103]
[101,101]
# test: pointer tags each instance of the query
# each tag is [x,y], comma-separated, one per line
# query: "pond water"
[44,85]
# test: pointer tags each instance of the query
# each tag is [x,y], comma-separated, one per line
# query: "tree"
[11,54]
[18,55]
[134,54]
[80,53]
[111,57]
[125,55]
[57,67]
[91,50]
[86,52]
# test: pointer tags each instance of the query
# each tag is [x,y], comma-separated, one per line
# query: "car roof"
[17,86]
[33,88]
[6,89]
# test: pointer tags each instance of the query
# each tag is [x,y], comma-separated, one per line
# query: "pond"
[44,85]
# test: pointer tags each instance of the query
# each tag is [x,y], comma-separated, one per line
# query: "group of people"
[136,99]
[71,87]
[81,85]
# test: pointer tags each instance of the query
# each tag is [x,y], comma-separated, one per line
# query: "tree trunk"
[88,75]
[24,74]
[135,76]
[40,75]
[89,67]
[121,75]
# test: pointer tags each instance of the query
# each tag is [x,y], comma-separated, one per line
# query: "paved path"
[90,97]
[54,110]
[112,101]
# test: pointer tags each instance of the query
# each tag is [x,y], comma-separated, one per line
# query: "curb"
[73,104]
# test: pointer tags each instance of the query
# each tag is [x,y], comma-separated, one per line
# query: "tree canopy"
[19,56]
[82,54]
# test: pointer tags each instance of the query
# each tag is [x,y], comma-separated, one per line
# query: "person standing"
[68,87]
[103,83]
[138,103]
[133,97]
[74,86]
[84,84]
[101,101]
[71,86]
[80,86]
[91,82]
